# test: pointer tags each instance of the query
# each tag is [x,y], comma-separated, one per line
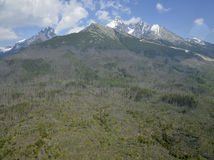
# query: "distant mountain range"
[141,30]
[158,34]
[43,35]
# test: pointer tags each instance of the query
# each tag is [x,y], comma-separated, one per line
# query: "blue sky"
[21,19]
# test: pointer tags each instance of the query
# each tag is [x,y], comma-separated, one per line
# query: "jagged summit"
[113,24]
[143,30]
[47,29]
[48,32]
[44,34]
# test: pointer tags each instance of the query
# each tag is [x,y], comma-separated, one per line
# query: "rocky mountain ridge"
[45,34]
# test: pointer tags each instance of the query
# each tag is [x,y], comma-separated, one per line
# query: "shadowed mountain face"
[103,93]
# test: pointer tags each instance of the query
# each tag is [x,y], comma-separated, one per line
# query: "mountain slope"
[96,35]
[102,37]
[104,94]
[99,38]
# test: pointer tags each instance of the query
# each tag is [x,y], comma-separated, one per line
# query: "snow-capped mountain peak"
[116,22]
[6,49]
[112,24]
[143,30]
[131,30]
[156,29]
[20,41]
[197,41]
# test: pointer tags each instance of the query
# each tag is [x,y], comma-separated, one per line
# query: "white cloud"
[90,4]
[103,15]
[71,15]
[199,21]
[126,10]
[75,30]
[107,4]
[6,34]
[115,5]
[161,8]
[115,13]
[41,13]
[126,1]
[133,20]
[29,12]
[91,21]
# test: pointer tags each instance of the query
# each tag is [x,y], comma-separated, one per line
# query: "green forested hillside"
[102,94]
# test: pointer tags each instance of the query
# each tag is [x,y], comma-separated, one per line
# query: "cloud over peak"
[161,8]
[199,21]
[7,34]
[133,20]
[103,15]
[62,14]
